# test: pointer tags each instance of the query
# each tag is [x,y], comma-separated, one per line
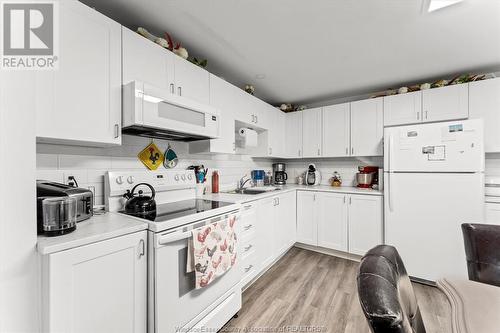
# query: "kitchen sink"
[254,190]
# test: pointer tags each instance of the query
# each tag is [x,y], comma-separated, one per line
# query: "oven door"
[176,301]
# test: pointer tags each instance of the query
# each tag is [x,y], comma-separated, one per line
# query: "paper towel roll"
[248,136]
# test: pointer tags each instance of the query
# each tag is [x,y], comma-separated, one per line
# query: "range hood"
[157,113]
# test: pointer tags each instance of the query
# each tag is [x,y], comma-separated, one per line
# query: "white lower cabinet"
[100,287]
[344,222]
[332,220]
[365,223]
[268,231]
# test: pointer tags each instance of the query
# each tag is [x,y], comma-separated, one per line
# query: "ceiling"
[312,51]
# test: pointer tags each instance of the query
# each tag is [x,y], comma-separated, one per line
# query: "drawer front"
[248,227]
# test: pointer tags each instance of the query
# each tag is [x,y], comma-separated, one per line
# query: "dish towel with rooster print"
[212,250]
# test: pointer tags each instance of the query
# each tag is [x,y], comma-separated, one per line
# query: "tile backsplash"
[88,165]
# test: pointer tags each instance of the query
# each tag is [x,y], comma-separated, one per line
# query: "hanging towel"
[212,250]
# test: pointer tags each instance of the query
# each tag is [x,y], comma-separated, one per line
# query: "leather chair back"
[386,294]
[482,251]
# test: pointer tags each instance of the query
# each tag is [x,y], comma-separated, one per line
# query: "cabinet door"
[277,133]
[484,102]
[191,81]
[311,131]
[222,97]
[146,61]
[266,231]
[100,287]
[285,221]
[307,227]
[447,103]
[81,101]
[367,127]
[332,220]
[365,223]
[293,134]
[336,130]
[403,109]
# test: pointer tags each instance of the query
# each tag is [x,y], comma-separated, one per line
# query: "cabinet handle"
[179,91]
[256,119]
[278,201]
[350,200]
[172,88]
[352,150]
[299,152]
[247,207]
[248,227]
[248,247]
[426,114]
[346,151]
[234,146]
[418,115]
[344,198]
[270,151]
[142,248]
[319,152]
[117,131]
[253,118]
[248,268]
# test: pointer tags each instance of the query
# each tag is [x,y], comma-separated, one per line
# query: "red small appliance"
[367,176]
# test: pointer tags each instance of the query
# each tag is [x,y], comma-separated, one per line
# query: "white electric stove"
[173,302]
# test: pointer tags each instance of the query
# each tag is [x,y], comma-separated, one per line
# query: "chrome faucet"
[242,182]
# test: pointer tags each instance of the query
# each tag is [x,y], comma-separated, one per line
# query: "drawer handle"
[248,227]
[248,268]
[248,247]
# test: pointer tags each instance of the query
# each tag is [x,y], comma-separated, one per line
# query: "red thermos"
[215,182]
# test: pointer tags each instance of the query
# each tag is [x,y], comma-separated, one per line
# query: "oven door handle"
[174,237]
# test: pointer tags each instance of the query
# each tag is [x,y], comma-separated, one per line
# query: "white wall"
[18,259]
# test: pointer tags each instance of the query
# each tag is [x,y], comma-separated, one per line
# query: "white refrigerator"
[434,182]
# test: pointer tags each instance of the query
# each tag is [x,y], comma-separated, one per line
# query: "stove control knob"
[183,177]
[130,179]
[119,180]
[190,176]
[176,178]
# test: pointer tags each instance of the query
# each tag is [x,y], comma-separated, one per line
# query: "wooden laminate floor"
[318,291]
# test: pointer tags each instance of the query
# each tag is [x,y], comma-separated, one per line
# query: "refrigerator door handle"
[389,167]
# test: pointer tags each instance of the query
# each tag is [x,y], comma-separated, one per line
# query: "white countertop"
[95,229]
[242,198]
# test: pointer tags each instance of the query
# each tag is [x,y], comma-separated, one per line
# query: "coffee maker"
[280,176]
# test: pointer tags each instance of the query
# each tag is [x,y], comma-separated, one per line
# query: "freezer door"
[440,147]
[423,214]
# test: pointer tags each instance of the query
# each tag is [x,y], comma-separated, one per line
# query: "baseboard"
[330,252]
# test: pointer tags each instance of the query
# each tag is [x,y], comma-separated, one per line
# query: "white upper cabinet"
[403,109]
[336,130]
[146,61]
[484,102]
[80,103]
[223,97]
[367,127]
[446,103]
[365,223]
[276,136]
[293,134]
[100,287]
[253,111]
[332,220]
[191,81]
[312,132]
